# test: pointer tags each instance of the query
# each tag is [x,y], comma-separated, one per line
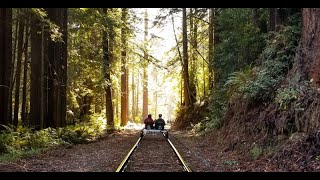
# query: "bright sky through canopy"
[158,48]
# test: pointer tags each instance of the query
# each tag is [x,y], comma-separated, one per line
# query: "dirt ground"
[208,154]
[201,153]
[104,155]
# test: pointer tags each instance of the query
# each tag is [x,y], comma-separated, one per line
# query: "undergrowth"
[24,141]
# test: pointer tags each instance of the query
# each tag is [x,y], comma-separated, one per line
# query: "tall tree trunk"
[181,88]
[5,61]
[255,17]
[117,105]
[307,63]
[194,42]
[18,71]
[216,41]
[137,93]
[211,38]
[25,75]
[13,65]
[107,69]
[310,42]
[191,35]
[145,69]
[278,17]
[35,87]
[155,73]
[181,59]
[272,22]
[38,104]
[124,91]
[133,113]
[127,94]
[187,98]
[57,54]
[281,17]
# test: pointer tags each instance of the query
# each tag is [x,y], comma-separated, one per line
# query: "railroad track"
[153,152]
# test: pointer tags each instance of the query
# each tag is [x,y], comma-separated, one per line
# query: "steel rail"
[125,160]
[185,166]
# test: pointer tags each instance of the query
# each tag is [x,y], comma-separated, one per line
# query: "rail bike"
[149,130]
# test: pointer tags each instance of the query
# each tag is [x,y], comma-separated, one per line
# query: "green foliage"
[18,141]
[81,132]
[23,141]
[215,123]
[199,127]
[51,27]
[206,125]
[218,106]
[286,96]
[256,152]
[263,86]
[276,58]
[86,27]
[137,119]
[240,42]
[237,82]
[230,162]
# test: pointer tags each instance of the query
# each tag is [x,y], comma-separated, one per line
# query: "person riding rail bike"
[159,123]
[148,122]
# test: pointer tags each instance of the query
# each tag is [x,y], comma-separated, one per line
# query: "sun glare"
[162,96]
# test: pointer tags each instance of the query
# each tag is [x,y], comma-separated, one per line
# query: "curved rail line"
[124,162]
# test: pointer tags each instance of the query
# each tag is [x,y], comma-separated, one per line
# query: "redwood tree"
[187,95]
[310,42]
[57,55]
[18,71]
[25,74]
[124,70]
[38,88]
[5,62]
[106,41]
[145,70]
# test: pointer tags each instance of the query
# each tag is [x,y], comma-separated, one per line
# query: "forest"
[241,81]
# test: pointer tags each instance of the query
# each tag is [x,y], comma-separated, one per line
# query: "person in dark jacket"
[148,122]
[159,123]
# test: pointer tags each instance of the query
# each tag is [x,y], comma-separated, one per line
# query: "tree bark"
[255,17]
[193,63]
[117,105]
[57,54]
[25,76]
[145,69]
[216,41]
[310,42]
[107,69]
[137,93]
[133,113]
[187,98]
[281,17]
[5,61]
[124,91]
[278,17]
[127,94]
[18,71]
[13,65]
[272,22]
[37,88]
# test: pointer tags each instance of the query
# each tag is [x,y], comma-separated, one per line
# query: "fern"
[238,80]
